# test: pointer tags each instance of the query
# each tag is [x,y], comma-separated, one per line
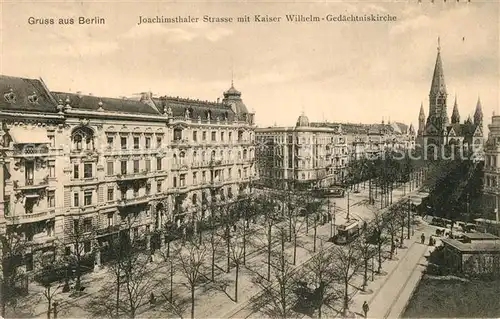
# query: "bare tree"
[346,262]
[378,227]
[12,279]
[191,264]
[79,236]
[46,275]
[366,251]
[392,224]
[237,258]
[278,298]
[320,272]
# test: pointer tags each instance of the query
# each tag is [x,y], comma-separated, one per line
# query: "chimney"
[90,94]
[218,100]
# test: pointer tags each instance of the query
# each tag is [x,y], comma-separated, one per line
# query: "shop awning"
[31,135]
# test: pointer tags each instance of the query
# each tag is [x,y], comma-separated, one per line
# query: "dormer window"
[83,138]
[10,97]
[33,98]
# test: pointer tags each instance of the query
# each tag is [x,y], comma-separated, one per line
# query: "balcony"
[216,183]
[181,142]
[122,203]
[31,151]
[31,218]
[214,162]
[32,184]
[108,230]
[144,174]
[180,166]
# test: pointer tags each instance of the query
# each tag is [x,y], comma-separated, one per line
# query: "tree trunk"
[346,296]
[365,275]
[192,301]
[236,282]
[118,295]
[379,257]
[269,228]
[244,242]
[228,242]
[171,282]
[315,233]
[294,247]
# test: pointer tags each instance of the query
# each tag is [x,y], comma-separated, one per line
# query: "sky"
[360,72]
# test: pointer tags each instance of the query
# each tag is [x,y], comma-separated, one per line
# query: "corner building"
[71,159]
[297,157]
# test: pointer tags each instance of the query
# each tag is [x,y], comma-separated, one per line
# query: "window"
[213,136]
[52,170]
[204,176]
[158,141]
[86,246]
[148,142]
[148,188]
[123,142]
[111,193]
[136,142]
[110,220]
[136,166]
[195,199]
[177,134]
[76,171]
[158,164]
[87,198]
[222,136]
[158,186]
[195,136]
[136,191]
[76,199]
[148,165]
[6,207]
[230,136]
[87,170]
[110,168]
[110,141]
[51,199]
[182,180]
[195,178]
[77,141]
[123,167]
[204,136]
[230,173]
[175,182]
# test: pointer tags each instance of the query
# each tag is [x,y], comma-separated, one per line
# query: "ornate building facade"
[492,170]
[437,131]
[301,155]
[71,159]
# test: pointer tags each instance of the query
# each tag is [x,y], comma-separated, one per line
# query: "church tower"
[455,116]
[421,121]
[478,114]
[438,115]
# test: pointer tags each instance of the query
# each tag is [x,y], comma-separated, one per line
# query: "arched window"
[182,156]
[239,173]
[239,154]
[203,156]
[195,155]
[77,142]
[83,138]
[245,154]
[230,155]
[195,199]
[213,155]
[221,155]
[175,159]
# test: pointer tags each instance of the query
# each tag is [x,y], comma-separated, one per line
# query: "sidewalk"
[392,291]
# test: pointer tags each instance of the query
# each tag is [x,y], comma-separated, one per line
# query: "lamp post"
[348,205]
[409,213]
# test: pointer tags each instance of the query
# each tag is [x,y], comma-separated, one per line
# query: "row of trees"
[326,280]
[384,174]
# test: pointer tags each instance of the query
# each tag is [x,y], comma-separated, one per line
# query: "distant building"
[298,156]
[437,131]
[477,253]
[492,170]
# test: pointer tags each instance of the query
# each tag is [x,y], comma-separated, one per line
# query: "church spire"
[455,116]
[438,85]
[421,115]
[421,120]
[478,114]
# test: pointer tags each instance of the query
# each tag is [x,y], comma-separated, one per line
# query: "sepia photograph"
[237,159]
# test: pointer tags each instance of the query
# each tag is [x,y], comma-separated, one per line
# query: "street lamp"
[348,204]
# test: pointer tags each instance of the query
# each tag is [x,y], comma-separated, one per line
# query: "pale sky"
[337,71]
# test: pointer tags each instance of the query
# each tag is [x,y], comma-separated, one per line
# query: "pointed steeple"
[438,86]
[411,130]
[421,115]
[478,114]
[455,116]
[421,120]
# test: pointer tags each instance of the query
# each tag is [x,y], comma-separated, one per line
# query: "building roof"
[474,246]
[480,236]
[29,95]
[303,120]
[197,109]
[108,104]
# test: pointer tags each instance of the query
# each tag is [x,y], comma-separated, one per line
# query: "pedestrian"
[422,238]
[366,308]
